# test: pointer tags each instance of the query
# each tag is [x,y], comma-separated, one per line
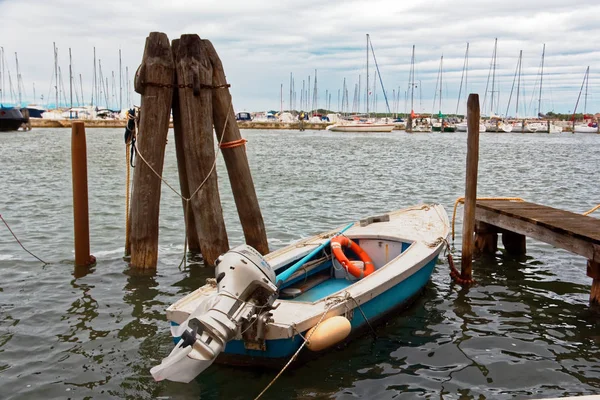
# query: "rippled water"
[524,331]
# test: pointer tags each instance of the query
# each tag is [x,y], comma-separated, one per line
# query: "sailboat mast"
[56,73]
[358,100]
[587,81]
[95,87]
[18,79]
[412,80]
[541,81]
[519,82]
[70,79]
[441,73]
[493,75]
[1,74]
[81,89]
[367,85]
[464,73]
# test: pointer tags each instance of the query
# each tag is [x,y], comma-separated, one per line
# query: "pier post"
[514,243]
[470,186]
[195,81]
[80,196]
[486,238]
[153,82]
[593,271]
[236,160]
[193,242]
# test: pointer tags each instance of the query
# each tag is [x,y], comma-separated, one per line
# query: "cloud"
[261,42]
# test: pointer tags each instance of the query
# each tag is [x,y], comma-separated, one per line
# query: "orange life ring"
[337,244]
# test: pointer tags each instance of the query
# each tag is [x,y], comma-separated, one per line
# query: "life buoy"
[337,245]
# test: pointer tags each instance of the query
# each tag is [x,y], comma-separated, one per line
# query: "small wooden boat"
[311,283]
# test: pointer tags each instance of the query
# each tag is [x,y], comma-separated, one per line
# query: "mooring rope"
[187,199]
[462,200]
[592,210]
[18,241]
[333,301]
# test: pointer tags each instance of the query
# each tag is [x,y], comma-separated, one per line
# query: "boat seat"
[300,288]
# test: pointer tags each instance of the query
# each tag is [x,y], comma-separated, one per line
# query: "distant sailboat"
[463,126]
[359,125]
[591,127]
[441,126]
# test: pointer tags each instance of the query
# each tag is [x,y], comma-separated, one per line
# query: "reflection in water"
[524,331]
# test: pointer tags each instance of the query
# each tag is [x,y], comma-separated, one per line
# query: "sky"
[262,42]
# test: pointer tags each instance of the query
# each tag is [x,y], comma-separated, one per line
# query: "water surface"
[525,331]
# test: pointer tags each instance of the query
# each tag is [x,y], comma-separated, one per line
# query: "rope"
[330,302]
[306,340]
[462,200]
[18,241]
[592,210]
[231,145]
[187,199]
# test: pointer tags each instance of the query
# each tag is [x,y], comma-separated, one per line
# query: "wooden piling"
[470,186]
[80,195]
[193,242]
[195,78]
[514,243]
[235,157]
[593,271]
[486,238]
[153,81]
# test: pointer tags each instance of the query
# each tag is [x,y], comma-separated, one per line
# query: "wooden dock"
[573,232]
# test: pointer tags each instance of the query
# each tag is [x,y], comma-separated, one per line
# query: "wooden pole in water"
[593,271]
[193,242]
[80,196]
[470,186]
[195,107]
[235,157]
[153,81]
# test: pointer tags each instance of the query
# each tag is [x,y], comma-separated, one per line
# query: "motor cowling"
[245,288]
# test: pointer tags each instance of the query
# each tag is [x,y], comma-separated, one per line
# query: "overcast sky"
[262,42]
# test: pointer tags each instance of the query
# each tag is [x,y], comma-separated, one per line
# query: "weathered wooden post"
[470,186]
[593,271]
[236,160]
[80,196]
[486,238]
[193,242]
[514,243]
[195,81]
[154,82]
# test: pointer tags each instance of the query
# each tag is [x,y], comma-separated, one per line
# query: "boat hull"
[376,310]
[362,128]
[585,129]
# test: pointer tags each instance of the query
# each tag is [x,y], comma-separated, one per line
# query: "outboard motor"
[245,289]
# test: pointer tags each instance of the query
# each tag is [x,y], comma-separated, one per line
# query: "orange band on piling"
[231,145]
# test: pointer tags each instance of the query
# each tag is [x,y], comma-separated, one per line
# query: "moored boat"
[586,128]
[361,127]
[463,127]
[11,119]
[258,311]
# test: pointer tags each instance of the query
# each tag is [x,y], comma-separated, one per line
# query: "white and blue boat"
[259,310]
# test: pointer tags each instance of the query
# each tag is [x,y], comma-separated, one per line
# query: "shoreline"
[115,123]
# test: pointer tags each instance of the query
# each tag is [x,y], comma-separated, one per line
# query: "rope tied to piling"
[233,144]
[210,172]
[454,273]
[461,200]
[19,242]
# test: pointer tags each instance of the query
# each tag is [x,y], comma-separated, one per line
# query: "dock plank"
[573,232]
